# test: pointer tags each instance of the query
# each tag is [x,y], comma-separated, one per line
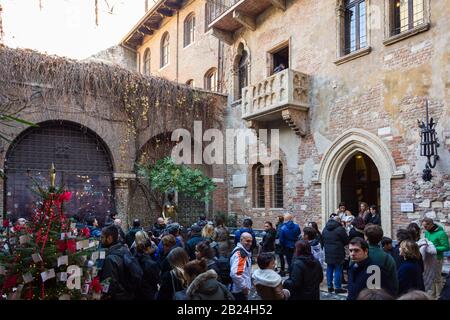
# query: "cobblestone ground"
[324,295]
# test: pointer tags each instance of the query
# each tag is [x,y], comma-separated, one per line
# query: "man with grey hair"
[437,235]
[241,267]
[118,224]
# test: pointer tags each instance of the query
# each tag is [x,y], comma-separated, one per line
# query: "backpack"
[133,273]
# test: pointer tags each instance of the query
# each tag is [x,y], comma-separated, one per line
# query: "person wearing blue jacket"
[246,227]
[94,230]
[289,234]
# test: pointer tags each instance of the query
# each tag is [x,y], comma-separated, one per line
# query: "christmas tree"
[47,257]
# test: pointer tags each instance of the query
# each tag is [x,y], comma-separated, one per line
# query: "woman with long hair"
[306,275]
[174,280]
[314,225]
[222,237]
[208,232]
[363,210]
[428,254]
[410,271]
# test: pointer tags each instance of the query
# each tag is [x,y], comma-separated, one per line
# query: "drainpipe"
[178,33]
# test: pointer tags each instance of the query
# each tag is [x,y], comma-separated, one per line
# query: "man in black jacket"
[268,242]
[113,271]
[357,273]
[373,217]
[363,268]
[158,228]
[196,237]
[335,239]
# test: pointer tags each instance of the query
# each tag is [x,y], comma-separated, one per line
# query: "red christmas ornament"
[65,196]
[5,223]
[96,285]
[71,245]
[85,232]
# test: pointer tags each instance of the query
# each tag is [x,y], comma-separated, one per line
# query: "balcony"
[284,95]
[225,17]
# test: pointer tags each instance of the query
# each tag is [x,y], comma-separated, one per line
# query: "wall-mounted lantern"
[428,144]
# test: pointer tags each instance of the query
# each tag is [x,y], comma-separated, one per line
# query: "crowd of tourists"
[205,262]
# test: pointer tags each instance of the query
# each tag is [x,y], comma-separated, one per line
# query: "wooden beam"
[165,12]
[146,30]
[153,26]
[245,20]
[280,4]
[223,35]
[176,6]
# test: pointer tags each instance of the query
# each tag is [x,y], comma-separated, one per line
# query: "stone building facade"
[89,136]
[357,76]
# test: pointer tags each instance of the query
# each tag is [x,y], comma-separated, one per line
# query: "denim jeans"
[337,270]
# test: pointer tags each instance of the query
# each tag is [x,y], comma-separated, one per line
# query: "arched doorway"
[360,182]
[148,203]
[335,159]
[83,165]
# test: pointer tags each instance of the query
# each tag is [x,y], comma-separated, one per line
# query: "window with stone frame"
[277,187]
[355,25]
[165,41]
[147,62]
[189,29]
[406,15]
[211,80]
[258,186]
[242,73]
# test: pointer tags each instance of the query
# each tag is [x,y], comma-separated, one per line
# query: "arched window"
[242,73]
[258,186]
[165,49]
[190,83]
[83,165]
[277,187]
[189,29]
[147,60]
[211,80]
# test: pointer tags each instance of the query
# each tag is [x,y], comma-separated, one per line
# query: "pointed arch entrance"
[360,182]
[335,160]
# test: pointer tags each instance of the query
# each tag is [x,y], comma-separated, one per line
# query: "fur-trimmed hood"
[204,282]
[266,277]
